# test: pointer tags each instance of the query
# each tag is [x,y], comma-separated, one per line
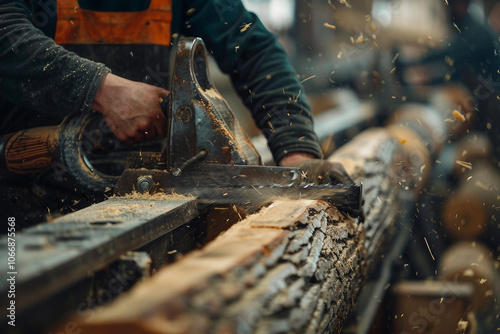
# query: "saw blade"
[347,198]
[239,184]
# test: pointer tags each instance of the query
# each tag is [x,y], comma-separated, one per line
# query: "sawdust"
[159,196]
[220,125]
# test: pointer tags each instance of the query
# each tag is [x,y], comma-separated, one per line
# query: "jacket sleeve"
[260,71]
[35,72]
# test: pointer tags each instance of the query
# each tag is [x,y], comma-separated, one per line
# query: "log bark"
[422,133]
[295,266]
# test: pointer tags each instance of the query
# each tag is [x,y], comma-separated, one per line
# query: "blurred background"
[368,63]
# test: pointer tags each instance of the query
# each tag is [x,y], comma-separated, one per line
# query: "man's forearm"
[38,74]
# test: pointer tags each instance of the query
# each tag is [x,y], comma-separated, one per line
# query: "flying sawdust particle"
[430,252]
[458,115]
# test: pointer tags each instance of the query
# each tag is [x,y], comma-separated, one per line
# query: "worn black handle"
[79,134]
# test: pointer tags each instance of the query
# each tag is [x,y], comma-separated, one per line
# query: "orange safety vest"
[81,26]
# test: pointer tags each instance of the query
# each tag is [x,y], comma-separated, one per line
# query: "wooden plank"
[54,255]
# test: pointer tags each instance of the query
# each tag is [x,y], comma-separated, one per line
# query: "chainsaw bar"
[347,198]
[239,184]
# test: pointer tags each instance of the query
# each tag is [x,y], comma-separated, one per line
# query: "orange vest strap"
[81,26]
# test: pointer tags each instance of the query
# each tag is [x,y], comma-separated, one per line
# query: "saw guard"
[199,117]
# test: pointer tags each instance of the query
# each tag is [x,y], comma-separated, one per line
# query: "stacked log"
[471,262]
[469,213]
[455,105]
[422,132]
[472,148]
[432,307]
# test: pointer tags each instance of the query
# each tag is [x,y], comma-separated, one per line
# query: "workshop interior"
[208,235]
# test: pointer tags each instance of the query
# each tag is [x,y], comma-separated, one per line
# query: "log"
[295,266]
[470,149]
[449,100]
[273,269]
[374,158]
[471,262]
[470,212]
[422,133]
[432,307]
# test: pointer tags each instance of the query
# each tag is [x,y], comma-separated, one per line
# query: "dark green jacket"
[44,78]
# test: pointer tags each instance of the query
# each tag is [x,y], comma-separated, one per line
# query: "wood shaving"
[245,26]
[429,248]
[482,185]
[331,26]
[313,76]
[465,164]
[458,115]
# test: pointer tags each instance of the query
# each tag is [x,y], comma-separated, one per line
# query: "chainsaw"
[206,153]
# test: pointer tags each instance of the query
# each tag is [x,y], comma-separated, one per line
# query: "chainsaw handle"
[76,137]
[200,115]
[29,151]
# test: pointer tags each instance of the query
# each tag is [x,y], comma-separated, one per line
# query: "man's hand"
[293,159]
[131,109]
[325,172]
[316,170]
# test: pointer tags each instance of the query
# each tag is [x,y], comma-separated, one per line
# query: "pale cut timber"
[295,266]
